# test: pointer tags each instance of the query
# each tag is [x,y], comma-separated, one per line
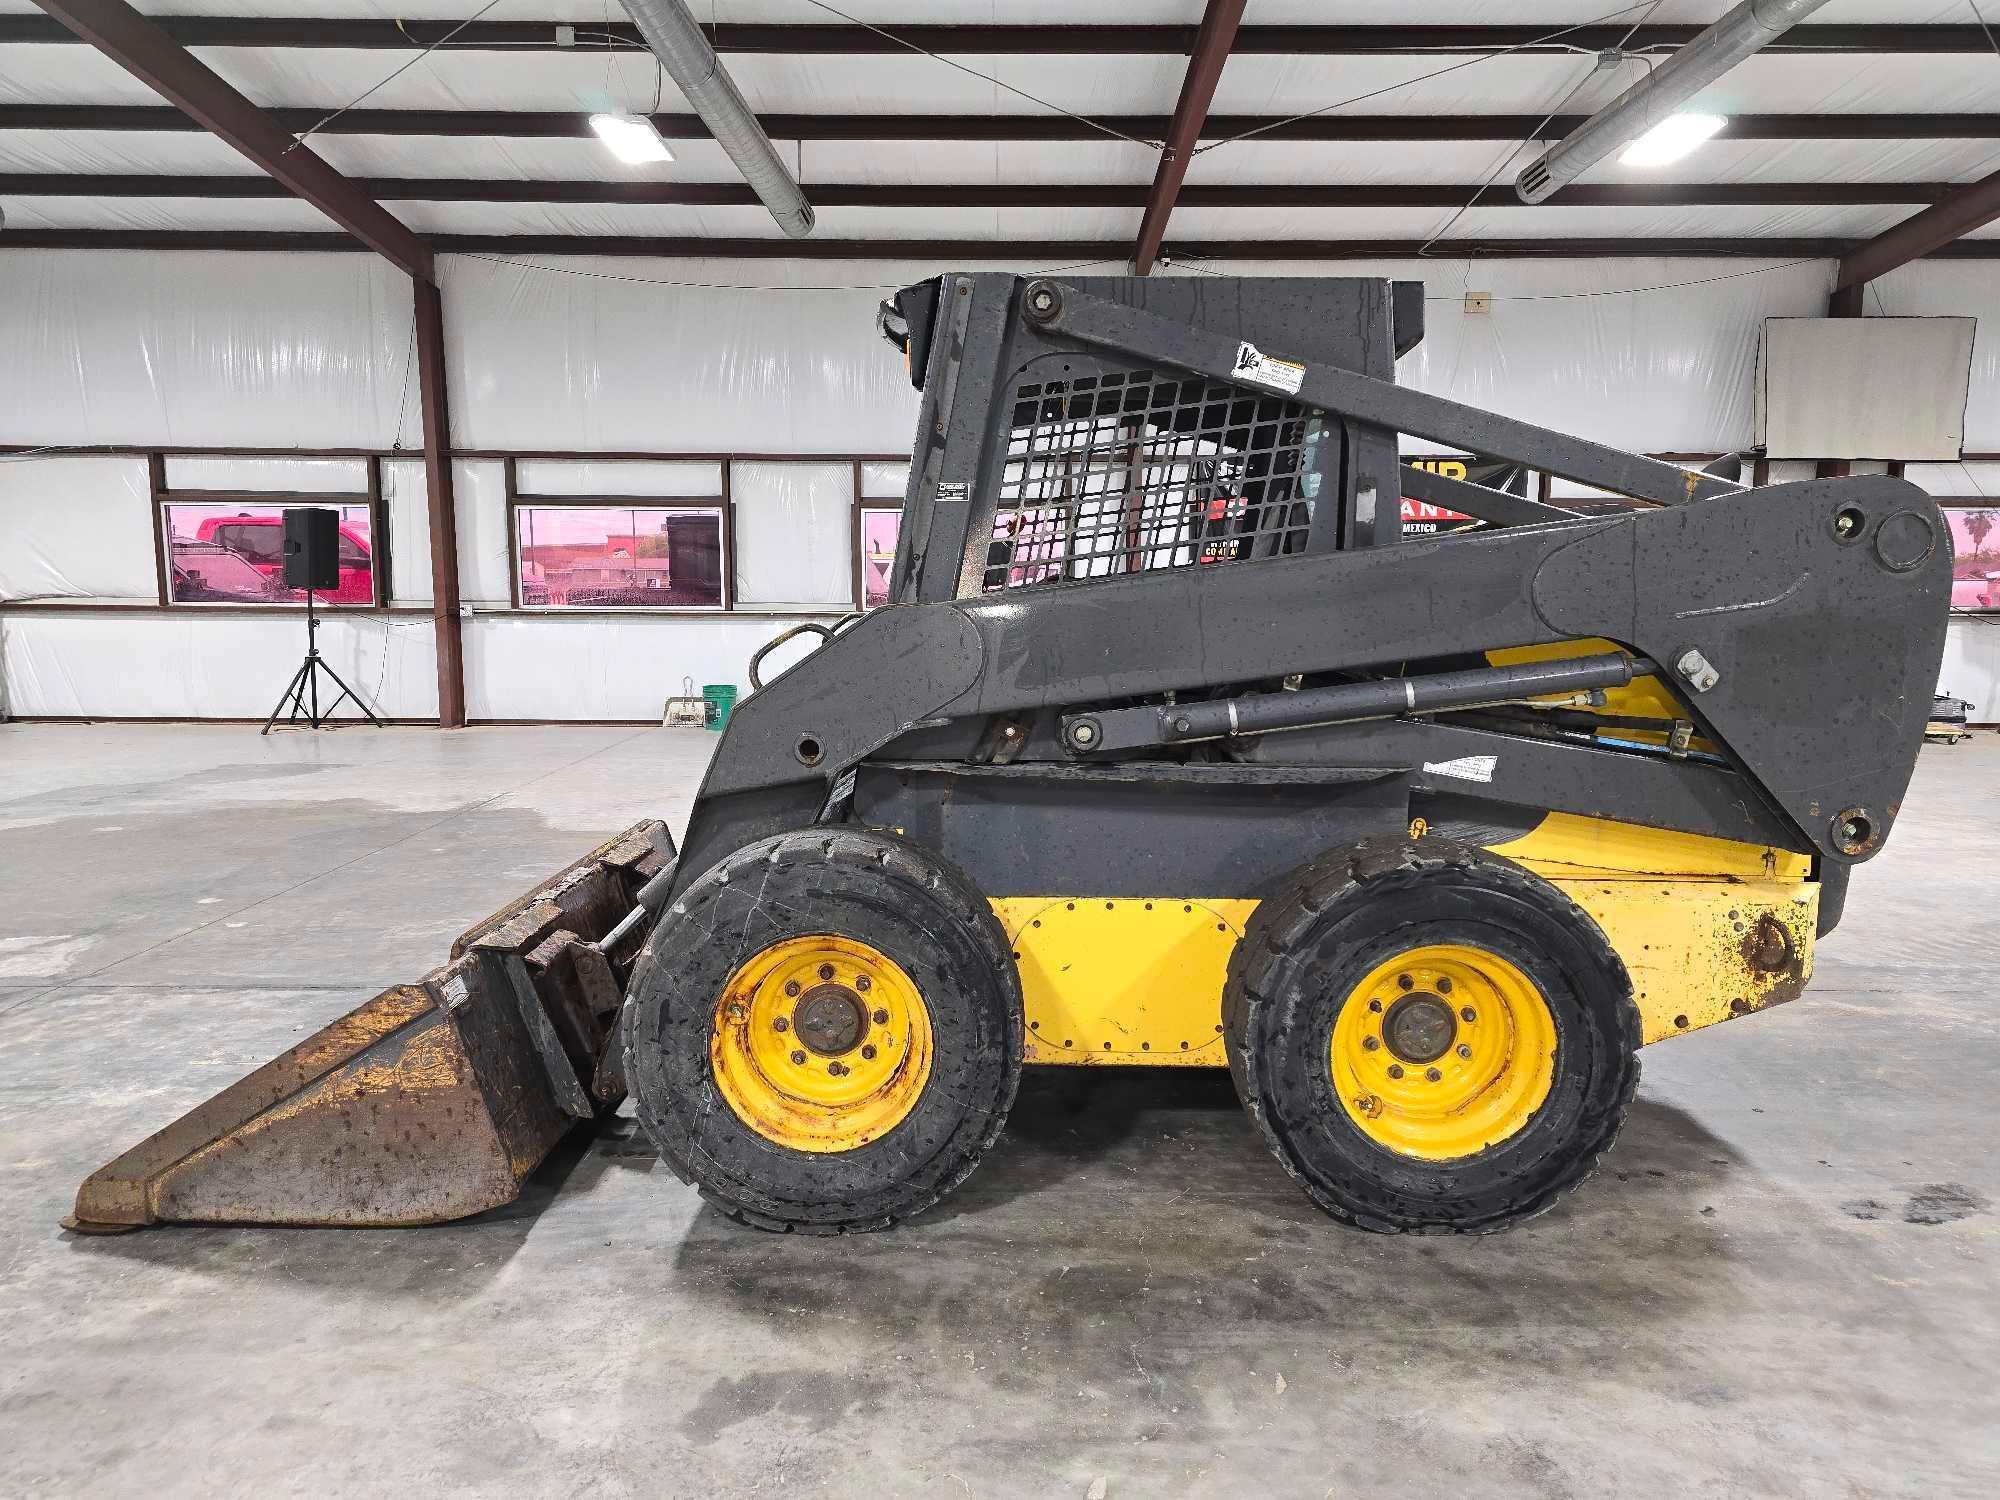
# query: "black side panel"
[1075,831]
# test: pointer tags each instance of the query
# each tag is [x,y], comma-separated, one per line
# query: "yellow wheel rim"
[1442,1051]
[821,1044]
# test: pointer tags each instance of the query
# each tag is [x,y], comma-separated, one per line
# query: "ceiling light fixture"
[631,138]
[1671,139]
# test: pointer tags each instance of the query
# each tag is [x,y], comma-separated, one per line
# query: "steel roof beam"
[1957,214]
[1002,40]
[982,195]
[973,250]
[567,124]
[1204,70]
[163,65]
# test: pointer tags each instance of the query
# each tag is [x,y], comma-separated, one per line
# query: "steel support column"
[443,505]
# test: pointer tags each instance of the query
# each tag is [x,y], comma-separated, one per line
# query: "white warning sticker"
[1465,768]
[1279,374]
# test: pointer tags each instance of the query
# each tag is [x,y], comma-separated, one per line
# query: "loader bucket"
[433,1101]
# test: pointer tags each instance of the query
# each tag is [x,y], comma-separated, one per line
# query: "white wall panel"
[571,354]
[885,481]
[203,471]
[596,666]
[485,570]
[794,533]
[202,348]
[195,664]
[536,476]
[1971,668]
[1955,287]
[76,527]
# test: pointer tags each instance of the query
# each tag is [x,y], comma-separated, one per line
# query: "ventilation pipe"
[1748,29]
[676,39]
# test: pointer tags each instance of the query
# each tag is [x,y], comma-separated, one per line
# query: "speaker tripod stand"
[302,692]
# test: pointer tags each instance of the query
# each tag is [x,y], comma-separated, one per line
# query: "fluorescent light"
[631,138]
[1671,139]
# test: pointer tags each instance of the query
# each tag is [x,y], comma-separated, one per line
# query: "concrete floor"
[1783,1283]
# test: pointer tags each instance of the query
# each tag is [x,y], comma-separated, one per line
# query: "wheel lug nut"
[1444,986]
[799,1059]
[1463,1050]
[1375,1005]
[864,984]
[1468,1015]
[792,988]
[1433,1074]
[1395,1070]
[1370,1043]
[779,1023]
[869,1051]
[826,971]
[1406,982]
[836,1069]
[880,1018]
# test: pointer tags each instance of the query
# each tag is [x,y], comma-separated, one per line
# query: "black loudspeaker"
[312,548]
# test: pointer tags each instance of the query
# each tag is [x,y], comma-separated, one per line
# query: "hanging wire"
[321,124]
[1470,62]
[1081,119]
[1507,158]
[1991,40]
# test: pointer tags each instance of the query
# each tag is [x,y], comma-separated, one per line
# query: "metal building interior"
[1131,796]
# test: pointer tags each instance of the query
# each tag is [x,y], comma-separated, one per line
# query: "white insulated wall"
[314,350]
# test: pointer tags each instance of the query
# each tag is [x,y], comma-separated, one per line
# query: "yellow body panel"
[1124,980]
[1566,847]
[1707,928]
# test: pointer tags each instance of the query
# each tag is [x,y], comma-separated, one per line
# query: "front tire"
[1431,1039]
[824,1032]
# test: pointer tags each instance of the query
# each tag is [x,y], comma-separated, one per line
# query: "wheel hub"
[1419,1028]
[1443,1050]
[821,1043]
[831,1020]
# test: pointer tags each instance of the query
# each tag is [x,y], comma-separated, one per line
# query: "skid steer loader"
[1169,751]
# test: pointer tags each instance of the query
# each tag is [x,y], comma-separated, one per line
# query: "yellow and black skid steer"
[1171,750]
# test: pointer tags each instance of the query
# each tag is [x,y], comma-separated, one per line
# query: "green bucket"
[720,698]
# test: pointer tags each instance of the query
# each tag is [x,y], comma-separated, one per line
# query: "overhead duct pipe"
[1746,30]
[676,39]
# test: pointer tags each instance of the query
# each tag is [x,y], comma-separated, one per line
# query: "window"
[576,555]
[232,552]
[1975,554]
[1421,518]
[880,526]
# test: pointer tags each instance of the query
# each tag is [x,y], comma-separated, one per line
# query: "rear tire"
[1471,1112]
[824,1032]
